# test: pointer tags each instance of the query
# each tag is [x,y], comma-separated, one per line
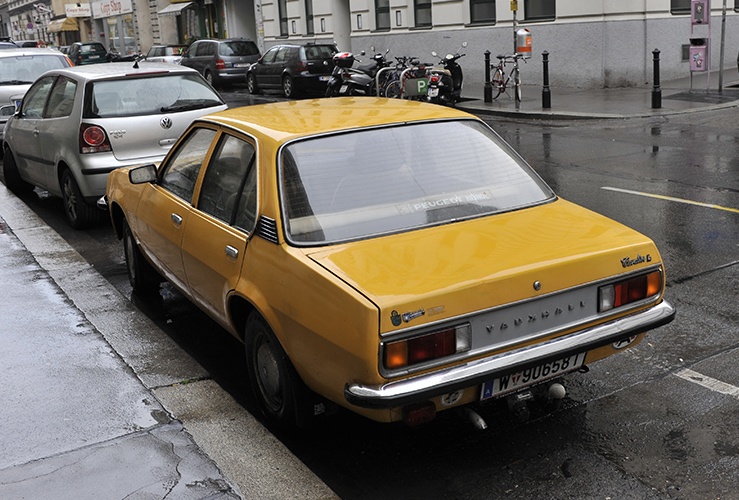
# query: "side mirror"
[8,110]
[143,174]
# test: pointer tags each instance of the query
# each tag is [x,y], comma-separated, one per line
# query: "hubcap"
[268,374]
[70,199]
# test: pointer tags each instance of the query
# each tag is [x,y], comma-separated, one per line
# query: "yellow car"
[391,257]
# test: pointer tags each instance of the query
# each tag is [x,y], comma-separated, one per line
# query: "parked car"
[166,53]
[19,68]
[75,125]
[64,49]
[82,53]
[221,61]
[392,257]
[8,45]
[31,43]
[294,69]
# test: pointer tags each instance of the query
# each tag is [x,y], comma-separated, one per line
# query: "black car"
[221,61]
[294,69]
[88,53]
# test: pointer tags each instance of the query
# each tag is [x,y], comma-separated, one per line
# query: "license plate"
[241,65]
[94,57]
[343,89]
[433,92]
[324,78]
[531,376]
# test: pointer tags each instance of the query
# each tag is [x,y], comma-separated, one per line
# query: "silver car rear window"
[383,180]
[26,68]
[149,96]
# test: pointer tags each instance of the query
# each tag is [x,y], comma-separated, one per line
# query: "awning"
[66,24]
[174,9]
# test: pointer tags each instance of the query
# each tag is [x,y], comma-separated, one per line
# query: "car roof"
[28,51]
[284,121]
[121,69]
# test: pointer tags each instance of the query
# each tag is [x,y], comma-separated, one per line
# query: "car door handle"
[176,219]
[231,251]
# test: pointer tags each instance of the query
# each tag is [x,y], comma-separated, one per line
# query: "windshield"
[238,48]
[26,68]
[371,182]
[149,96]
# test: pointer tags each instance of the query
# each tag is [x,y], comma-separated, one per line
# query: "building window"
[309,17]
[539,10]
[680,6]
[422,12]
[382,15]
[482,11]
[282,10]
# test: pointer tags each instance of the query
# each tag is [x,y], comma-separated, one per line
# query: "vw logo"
[166,123]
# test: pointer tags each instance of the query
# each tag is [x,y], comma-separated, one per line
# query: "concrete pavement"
[86,414]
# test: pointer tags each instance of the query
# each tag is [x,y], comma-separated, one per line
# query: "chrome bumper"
[476,372]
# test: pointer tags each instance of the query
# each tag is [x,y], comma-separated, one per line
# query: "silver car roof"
[122,69]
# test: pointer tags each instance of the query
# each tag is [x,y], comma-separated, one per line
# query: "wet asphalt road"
[659,421]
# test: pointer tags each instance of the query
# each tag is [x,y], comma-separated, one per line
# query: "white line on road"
[671,198]
[708,382]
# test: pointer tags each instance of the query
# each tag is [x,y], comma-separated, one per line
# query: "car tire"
[208,77]
[80,214]
[144,279]
[12,176]
[273,379]
[288,87]
[251,84]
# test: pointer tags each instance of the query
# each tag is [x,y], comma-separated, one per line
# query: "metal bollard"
[488,92]
[656,91]
[546,94]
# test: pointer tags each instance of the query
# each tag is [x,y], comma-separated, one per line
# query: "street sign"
[514,5]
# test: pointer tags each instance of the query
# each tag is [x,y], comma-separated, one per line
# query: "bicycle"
[501,79]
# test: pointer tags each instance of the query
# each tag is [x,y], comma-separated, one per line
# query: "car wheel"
[79,213]
[251,84]
[13,179]
[272,376]
[288,87]
[143,277]
[208,77]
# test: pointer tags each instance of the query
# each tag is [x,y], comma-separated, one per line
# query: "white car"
[166,53]
[76,125]
[19,68]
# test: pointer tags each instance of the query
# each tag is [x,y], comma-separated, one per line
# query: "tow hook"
[517,404]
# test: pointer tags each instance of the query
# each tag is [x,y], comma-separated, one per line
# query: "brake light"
[629,291]
[302,66]
[434,79]
[426,347]
[220,64]
[93,139]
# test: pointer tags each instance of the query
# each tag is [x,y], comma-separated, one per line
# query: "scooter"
[346,80]
[445,80]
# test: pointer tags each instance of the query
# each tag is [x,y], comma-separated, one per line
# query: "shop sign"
[108,8]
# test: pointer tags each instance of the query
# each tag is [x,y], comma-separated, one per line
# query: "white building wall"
[592,43]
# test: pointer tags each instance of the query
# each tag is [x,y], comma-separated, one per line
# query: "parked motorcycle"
[445,80]
[346,80]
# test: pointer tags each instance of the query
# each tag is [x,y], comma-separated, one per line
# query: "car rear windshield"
[238,48]
[319,51]
[92,49]
[26,68]
[169,93]
[377,181]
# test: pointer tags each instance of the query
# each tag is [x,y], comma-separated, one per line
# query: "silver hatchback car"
[76,125]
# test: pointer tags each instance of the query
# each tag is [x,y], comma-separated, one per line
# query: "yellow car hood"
[458,268]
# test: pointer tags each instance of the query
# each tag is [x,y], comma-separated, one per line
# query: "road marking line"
[671,198]
[708,382]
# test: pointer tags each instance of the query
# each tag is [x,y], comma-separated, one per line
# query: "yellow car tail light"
[426,347]
[630,290]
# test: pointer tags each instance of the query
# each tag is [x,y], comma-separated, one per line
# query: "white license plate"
[94,57]
[240,65]
[343,89]
[531,376]
[324,78]
[433,92]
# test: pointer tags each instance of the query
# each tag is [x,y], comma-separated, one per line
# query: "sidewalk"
[612,103]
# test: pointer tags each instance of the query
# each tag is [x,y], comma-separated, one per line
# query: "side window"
[269,57]
[182,170]
[61,100]
[224,183]
[198,49]
[282,54]
[36,97]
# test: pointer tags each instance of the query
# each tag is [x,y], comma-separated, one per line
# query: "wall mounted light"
[359,21]
[398,18]
[323,24]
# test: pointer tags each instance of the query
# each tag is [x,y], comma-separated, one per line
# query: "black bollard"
[546,94]
[488,92]
[656,91]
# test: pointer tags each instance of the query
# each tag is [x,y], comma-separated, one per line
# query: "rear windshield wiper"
[188,105]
